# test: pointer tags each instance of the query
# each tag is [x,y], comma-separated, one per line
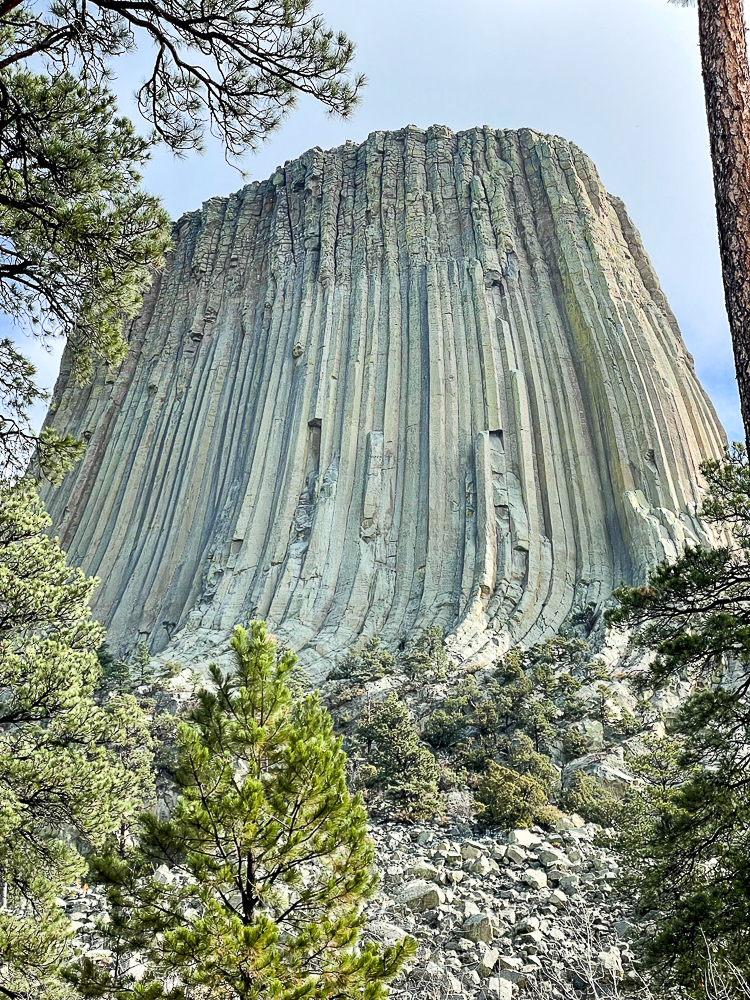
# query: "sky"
[620,78]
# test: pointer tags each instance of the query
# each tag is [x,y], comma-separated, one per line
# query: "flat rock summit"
[428,379]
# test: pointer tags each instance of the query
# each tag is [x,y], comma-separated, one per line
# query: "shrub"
[627,724]
[369,663]
[575,744]
[405,768]
[524,759]
[443,728]
[583,795]
[508,799]
[427,658]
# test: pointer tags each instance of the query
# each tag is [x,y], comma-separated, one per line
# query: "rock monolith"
[428,379]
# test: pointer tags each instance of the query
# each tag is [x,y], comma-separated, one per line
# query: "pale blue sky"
[621,78]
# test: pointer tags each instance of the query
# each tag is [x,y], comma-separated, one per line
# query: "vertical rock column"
[430,379]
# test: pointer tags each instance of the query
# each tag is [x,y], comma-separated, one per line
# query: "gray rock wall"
[428,379]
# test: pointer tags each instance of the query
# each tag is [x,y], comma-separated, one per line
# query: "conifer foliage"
[402,765]
[269,854]
[65,762]
[686,837]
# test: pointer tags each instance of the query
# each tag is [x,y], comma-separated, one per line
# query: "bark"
[726,81]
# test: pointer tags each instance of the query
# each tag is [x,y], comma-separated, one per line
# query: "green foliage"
[523,758]
[237,69]
[115,674]
[79,237]
[466,709]
[269,852]
[444,726]
[626,725]
[511,800]
[141,660]
[369,663]
[596,670]
[585,796]
[575,744]
[601,709]
[427,659]
[560,651]
[584,618]
[514,689]
[686,832]
[538,717]
[538,702]
[572,707]
[65,763]
[404,766]
[695,612]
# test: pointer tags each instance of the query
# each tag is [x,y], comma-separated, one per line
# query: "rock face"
[428,379]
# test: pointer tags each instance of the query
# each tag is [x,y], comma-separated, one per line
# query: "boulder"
[422,869]
[487,962]
[421,895]
[516,855]
[524,838]
[472,849]
[386,932]
[550,857]
[535,878]
[499,989]
[481,927]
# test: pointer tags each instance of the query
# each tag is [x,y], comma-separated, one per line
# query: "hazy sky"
[621,78]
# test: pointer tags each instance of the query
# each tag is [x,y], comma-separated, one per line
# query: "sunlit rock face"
[427,379]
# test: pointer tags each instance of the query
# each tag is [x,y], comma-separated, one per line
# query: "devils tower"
[428,379]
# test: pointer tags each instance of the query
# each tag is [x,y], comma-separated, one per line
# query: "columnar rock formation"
[428,379]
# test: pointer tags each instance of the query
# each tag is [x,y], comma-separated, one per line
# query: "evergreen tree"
[269,853]
[404,766]
[427,659]
[508,799]
[686,841]
[66,764]
[585,796]
[524,759]
[79,237]
[515,689]
[368,663]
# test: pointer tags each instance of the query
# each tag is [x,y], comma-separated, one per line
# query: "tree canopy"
[268,853]
[79,237]
[69,768]
[686,829]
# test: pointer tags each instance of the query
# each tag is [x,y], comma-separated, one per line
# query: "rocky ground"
[496,915]
[500,914]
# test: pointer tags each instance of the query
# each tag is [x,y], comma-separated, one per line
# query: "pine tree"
[368,663]
[686,841]
[508,799]
[79,237]
[269,853]
[427,658]
[404,766]
[66,764]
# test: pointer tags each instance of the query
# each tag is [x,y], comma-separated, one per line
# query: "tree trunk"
[726,81]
